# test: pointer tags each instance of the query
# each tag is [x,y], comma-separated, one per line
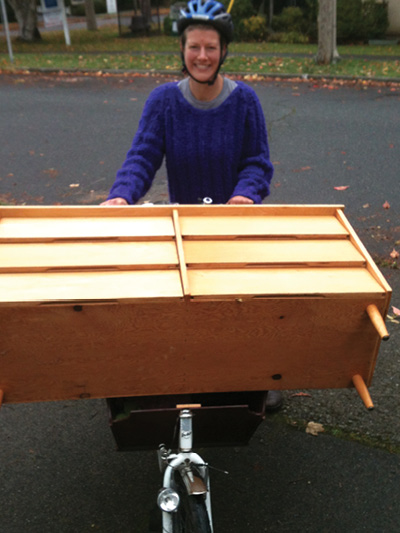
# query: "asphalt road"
[62,139]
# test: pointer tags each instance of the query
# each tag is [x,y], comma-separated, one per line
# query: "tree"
[91,23]
[327,52]
[26,15]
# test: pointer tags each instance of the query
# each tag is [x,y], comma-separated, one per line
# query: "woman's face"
[202,53]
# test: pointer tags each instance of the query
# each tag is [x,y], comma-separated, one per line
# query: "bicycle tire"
[191,516]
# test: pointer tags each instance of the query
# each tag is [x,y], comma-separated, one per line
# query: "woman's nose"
[202,53]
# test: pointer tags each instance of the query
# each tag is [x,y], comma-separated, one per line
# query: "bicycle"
[185,499]
[311,317]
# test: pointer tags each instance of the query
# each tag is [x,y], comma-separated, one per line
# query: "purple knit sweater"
[219,153]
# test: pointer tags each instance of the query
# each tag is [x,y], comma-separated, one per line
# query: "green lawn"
[106,50]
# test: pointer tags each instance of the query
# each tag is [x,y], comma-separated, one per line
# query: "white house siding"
[394,17]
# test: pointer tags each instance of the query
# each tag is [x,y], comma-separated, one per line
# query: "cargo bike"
[185,313]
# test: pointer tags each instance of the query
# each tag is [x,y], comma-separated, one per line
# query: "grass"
[106,50]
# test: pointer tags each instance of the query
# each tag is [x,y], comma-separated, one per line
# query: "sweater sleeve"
[136,175]
[255,168]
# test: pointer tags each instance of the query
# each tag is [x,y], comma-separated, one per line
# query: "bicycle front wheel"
[191,515]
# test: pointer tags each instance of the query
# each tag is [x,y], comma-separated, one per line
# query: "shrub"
[311,20]
[349,21]
[290,37]
[359,20]
[290,20]
[253,29]
[242,9]
[376,18]
[167,24]
[78,10]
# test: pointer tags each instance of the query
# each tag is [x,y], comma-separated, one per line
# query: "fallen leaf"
[72,185]
[365,206]
[394,254]
[304,394]
[51,172]
[341,187]
[386,205]
[396,311]
[313,428]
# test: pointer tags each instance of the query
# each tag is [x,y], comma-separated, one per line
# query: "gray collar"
[228,87]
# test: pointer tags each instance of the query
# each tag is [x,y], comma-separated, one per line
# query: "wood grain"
[71,352]
[98,302]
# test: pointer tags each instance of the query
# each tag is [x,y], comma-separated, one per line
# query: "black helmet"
[208,12]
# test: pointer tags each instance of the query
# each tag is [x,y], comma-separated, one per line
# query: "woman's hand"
[115,201]
[241,200]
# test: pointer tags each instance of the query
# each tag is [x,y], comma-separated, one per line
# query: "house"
[394,17]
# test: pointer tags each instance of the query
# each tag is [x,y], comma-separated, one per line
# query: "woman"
[210,129]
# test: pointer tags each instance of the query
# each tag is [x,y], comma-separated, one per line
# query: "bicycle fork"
[193,470]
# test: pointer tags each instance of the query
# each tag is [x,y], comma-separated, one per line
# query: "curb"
[248,76]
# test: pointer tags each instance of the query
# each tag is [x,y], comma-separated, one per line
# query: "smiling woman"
[202,55]
[210,129]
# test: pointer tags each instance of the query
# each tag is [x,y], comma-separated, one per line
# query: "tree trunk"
[326,31]
[91,23]
[25,13]
[270,14]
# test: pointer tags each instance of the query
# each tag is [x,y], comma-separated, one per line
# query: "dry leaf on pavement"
[304,394]
[313,428]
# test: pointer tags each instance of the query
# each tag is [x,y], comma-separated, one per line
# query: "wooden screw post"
[378,322]
[362,390]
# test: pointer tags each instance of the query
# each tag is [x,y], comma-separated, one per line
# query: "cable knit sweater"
[219,153]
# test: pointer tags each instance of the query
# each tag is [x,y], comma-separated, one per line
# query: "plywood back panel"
[93,351]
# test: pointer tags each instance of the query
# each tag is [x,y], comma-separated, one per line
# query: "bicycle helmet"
[207,12]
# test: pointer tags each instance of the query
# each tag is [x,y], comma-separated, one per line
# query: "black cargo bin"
[224,419]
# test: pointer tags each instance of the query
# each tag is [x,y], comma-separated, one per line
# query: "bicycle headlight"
[168,500]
